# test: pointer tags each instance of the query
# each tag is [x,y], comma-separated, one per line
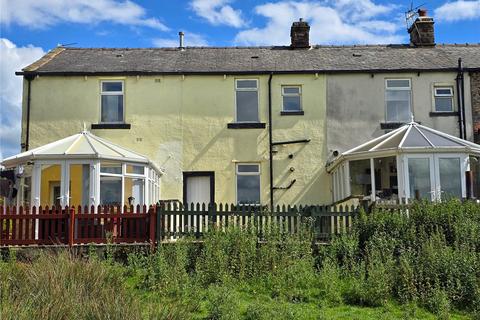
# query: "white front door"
[435,177]
[198,189]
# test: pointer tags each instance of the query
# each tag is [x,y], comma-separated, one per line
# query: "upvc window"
[292,98]
[122,184]
[443,98]
[112,101]
[246,97]
[398,100]
[248,183]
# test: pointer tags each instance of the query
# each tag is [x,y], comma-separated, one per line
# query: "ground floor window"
[248,183]
[360,181]
[386,180]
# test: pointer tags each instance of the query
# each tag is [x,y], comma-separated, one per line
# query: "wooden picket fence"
[175,221]
[76,226]
[113,224]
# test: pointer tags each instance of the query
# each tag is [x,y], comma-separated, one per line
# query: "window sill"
[391,125]
[111,125]
[246,125]
[444,114]
[292,113]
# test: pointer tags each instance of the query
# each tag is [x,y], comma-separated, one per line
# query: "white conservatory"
[81,170]
[411,162]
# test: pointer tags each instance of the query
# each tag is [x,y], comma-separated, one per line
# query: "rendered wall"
[180,123]
[356,106]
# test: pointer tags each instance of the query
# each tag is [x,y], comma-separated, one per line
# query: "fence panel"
[48,226]
[167,222]
[45,226]
[112,224]
[174,222]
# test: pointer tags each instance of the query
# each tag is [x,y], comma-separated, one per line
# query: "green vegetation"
[423,263]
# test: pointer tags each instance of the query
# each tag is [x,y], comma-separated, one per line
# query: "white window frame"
[435,183]
[299,95]
[398,89]
[257,173]
[112,93]
[124,175]
[247,89]
[437,86]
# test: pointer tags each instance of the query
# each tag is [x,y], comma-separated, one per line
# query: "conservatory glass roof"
[414,136]
[83,145]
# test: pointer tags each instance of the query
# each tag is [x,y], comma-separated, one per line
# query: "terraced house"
[263,125]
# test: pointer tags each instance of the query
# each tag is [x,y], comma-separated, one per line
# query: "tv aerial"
[411,14]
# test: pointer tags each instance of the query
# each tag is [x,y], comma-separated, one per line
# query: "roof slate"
[65,60]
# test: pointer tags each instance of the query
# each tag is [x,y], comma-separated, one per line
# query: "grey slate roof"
[377,58]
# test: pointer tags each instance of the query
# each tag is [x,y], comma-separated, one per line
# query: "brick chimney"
[421,31]
[299,33]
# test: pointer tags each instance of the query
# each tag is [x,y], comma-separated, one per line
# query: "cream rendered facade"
[180,123]
[356,102]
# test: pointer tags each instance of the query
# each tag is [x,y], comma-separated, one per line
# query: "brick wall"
[475,87]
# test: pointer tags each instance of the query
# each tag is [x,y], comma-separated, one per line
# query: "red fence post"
[71,229]
[153,220]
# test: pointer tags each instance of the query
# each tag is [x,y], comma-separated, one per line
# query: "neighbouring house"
[262,125]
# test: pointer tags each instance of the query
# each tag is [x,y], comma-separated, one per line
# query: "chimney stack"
[299,34]
[180,38]
[422,31]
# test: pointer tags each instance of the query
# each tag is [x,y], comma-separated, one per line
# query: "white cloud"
[190,40]
[458,10]
[46,13]
[331,22]
[218,12]
[357,10]
[13,58]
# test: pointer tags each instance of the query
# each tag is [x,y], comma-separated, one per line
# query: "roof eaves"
[220,72]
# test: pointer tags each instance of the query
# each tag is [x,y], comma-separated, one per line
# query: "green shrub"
[222,303]
[438,303]
[212,265]
[259,311]
[330,283]
[166,271]
[405,287]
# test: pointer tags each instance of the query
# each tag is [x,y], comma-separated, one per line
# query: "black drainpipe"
[29,79]
[270,138]
[460,100]
[462,88]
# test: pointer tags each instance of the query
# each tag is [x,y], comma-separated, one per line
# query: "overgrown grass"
[420,264]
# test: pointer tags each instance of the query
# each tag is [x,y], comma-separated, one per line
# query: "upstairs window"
[112,102]
[246,97]
[398,99]
[292,98]
[248,183]
[443,99]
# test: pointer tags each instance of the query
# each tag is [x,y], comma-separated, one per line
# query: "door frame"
[463,162]
[188,174]
[431,164]
[435,183]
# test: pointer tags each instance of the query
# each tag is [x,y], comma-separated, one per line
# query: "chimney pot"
[299,34]
[181,42]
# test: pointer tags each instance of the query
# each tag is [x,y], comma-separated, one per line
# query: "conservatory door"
[420,177]
[435,177]
[449,176]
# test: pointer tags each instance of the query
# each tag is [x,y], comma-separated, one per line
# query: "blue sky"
[29,28]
